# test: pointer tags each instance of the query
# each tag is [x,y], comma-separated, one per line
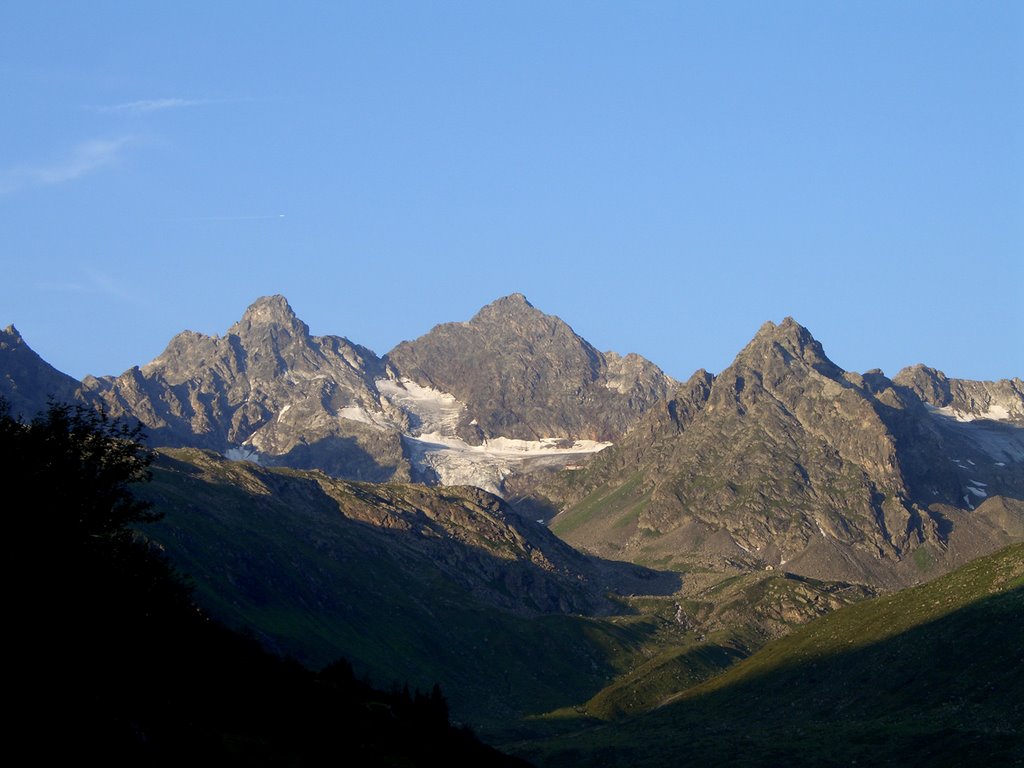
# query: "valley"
[587,555]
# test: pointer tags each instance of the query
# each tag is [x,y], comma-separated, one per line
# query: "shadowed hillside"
[931,676]
[409,582]
[118,667]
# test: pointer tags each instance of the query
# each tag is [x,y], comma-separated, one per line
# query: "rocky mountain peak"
[513,299]
[999,400]
[788,333]
[929,384]
[527,375]
[514,308]
[784,343]
[787,458]
[270,312]
[26,380]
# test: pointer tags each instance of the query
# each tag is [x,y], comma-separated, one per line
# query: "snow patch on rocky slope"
[429,410]
[455,462]
[435,449]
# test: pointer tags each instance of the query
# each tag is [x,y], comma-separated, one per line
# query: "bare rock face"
[786,461]
[26,380]
[964,399]
[980,425]
[526,375]
[470,403]
[266,390]
[783,460]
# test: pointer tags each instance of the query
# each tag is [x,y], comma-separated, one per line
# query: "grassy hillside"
[715,621]
[271,554]
[933,675]
[118,667]
[434,585]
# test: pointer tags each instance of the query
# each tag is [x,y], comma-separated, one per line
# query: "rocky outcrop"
[266,390]
[786,461]
[439,409]
[526,375]
[27,381]
[964,399]
[782,460]
[511,391]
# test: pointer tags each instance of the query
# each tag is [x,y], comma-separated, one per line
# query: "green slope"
[933,675]
[442,585]
[270,554]
[716,626]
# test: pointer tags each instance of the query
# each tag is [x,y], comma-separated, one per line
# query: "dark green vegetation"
[716,622]
[774,491]
[933,675]
[408,582]
[116,666]
[448,584]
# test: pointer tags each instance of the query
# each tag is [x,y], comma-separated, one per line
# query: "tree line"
[113,660]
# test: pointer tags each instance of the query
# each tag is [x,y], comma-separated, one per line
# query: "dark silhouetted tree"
[76,467]
[95,604]
[116,665]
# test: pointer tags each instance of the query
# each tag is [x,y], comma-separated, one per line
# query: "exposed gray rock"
[26,380]
[527,375]
[964,399]
[785,460]
[268,391]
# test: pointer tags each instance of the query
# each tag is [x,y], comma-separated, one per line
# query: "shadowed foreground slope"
[116,666]
[408,582]
[930,676]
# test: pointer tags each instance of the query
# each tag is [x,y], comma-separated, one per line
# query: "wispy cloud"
[91,281]
[152,105]
[85,158]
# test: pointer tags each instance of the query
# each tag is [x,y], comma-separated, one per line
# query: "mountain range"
[782,460]
[538,525]
[467,402]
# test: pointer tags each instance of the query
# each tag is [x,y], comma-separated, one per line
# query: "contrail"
[226,218]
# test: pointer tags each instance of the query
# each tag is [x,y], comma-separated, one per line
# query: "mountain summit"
[527,375]
[270,312]
[267,390]
[507,305]
[785,342]
[787,461]
[783,460]
[965,400]
[26,380]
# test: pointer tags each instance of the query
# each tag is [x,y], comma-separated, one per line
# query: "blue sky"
[663,176]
